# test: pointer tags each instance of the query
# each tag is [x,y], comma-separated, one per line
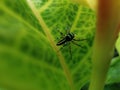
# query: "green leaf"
[118,44]
[114,71]
[29,59]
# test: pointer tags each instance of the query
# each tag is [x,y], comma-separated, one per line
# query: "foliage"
[29,60]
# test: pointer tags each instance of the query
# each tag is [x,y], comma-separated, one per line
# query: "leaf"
[28,60]
[118,44]
[114,72]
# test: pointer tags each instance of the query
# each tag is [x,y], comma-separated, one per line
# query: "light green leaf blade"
[27,60]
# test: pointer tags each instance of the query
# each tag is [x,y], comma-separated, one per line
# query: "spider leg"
[65,44]
[67,31]
[61,33]
[57,39]
[79,39]
[76,44]
[70,50]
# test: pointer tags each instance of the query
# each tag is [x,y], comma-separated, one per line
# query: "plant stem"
[108,19]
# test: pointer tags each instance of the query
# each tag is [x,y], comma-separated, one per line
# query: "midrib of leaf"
[14,51]
[51,40]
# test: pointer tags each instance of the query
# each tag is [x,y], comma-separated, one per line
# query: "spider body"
[69,37]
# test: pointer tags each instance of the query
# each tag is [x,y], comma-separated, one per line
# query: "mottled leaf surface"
[27,59]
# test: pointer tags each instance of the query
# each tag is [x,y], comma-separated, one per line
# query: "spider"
[67,39]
